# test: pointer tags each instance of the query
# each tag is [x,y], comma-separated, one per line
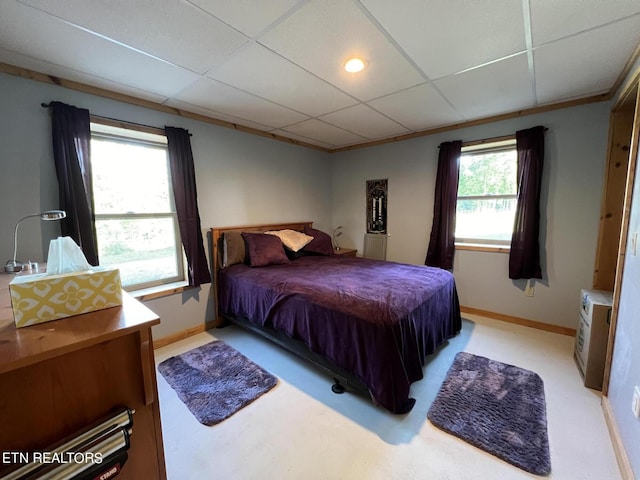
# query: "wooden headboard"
[216,248]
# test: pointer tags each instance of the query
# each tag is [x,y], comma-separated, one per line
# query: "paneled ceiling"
[277,65]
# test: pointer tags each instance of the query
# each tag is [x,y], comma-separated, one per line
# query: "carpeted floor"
[302,430]
[497,407]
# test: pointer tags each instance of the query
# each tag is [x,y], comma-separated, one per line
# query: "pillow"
[293,240]
[233,250]
[264,249]
[321,243]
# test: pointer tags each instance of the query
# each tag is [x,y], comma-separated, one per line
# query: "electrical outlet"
[635,404]
[634,244]
[528,291]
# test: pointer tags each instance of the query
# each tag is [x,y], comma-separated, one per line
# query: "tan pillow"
[291,239]
[233,249]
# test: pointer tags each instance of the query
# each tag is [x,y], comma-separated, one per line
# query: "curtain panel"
[71,134]
[442,241]
[186,198]
[524,258]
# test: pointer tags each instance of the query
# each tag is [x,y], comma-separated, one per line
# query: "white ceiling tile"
[448,36]
[273,65]
[364,121]
[189,107]
[18,60]
[248,16]
[584,64]
[263,73]
[323,34]
[222,98]
[417,108]
[551,20]
[89,54]
[496,88]
[121,20]
[301,138]
[324,132]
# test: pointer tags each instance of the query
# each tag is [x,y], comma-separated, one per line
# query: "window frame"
[131,134]
[486,145]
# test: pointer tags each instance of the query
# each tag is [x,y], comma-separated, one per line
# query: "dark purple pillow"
[321,243]
[264,249]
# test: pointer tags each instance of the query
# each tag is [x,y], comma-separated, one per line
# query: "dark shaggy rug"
[498,408]
[215,381]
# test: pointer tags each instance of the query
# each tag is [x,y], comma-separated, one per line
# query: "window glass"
[136,222]
[129,177]
[487,190]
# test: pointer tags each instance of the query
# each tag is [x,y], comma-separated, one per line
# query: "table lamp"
[336,233]
[13,266]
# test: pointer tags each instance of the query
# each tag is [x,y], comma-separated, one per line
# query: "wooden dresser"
[58,377]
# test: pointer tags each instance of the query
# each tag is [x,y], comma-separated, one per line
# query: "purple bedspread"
[376,320]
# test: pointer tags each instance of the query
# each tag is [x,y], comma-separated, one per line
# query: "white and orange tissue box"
[44,297]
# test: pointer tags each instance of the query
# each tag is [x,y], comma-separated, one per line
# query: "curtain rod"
[122,123]
[489,140]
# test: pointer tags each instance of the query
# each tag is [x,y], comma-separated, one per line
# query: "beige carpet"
[301,430]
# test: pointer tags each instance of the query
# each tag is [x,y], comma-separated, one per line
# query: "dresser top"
[20,347]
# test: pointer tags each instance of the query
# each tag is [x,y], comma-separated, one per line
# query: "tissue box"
[41,298]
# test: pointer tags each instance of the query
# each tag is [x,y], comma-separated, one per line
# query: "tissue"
[69,287]
[65,256]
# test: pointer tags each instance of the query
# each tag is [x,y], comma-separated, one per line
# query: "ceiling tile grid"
[259,71]
[324,132]
[365,121]
[214,114]
[448,36]
[223,98]
[12,58]
[277,66]
[323,34]
[503,86]
[417,108]
[61,43]
[553,20]
[247,16]
[166,29]
[565,70]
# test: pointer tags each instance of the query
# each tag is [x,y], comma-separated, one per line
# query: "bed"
[370,324]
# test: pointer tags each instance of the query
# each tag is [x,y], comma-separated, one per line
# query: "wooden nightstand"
[351,252]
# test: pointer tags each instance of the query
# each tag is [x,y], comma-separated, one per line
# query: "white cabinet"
[592,335]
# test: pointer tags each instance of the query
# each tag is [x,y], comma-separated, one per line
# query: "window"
[136,222]
[487,189]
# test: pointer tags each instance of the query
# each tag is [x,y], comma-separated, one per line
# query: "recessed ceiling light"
[354,65]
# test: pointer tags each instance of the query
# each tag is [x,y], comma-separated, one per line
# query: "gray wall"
[625,367]
[241,179]
[575,148]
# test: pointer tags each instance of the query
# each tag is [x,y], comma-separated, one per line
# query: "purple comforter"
[376,320]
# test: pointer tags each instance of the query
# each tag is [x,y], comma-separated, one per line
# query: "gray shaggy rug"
[215,381]
[496,407]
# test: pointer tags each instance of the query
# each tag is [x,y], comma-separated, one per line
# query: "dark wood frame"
[341,377]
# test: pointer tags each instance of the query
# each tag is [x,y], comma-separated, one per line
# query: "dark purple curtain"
[183,179]
[524,259]
[71,150]
[441,244]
